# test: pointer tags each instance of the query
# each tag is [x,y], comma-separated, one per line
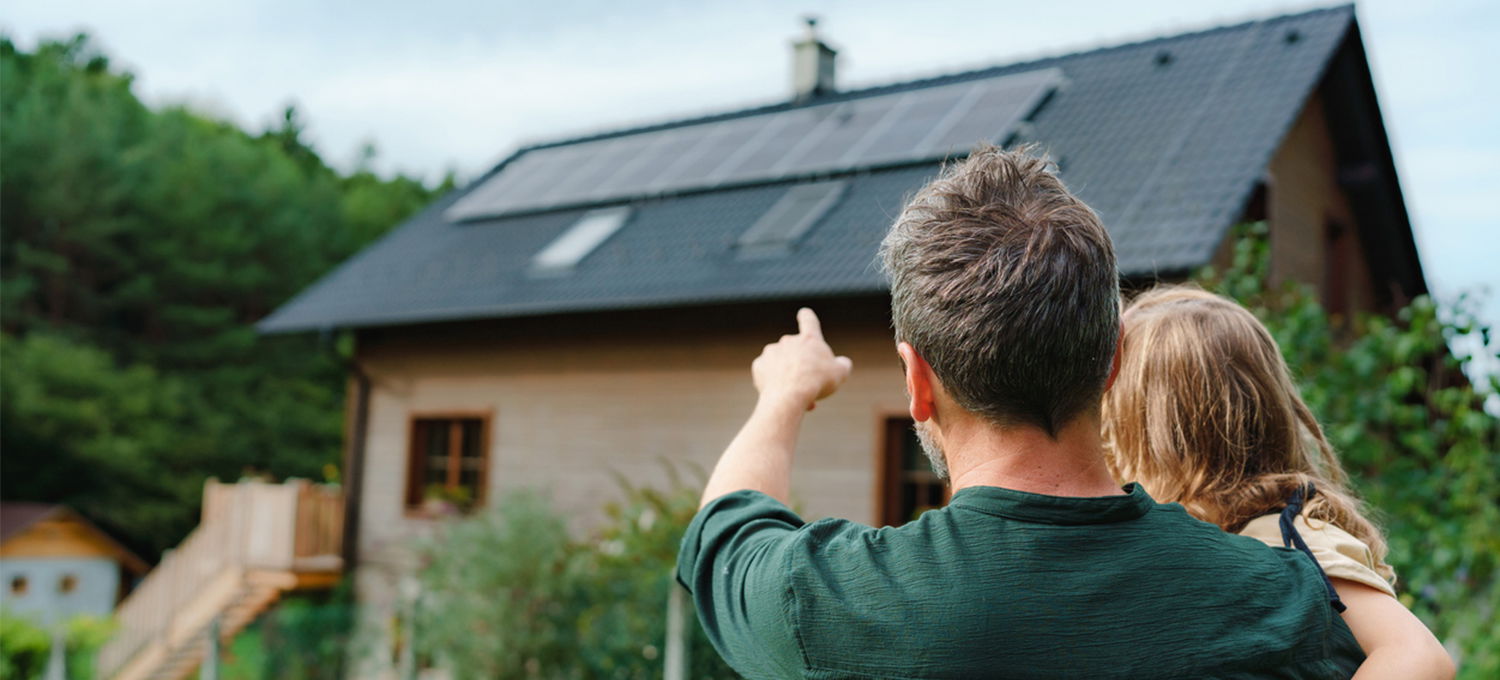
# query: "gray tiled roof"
[1166,153]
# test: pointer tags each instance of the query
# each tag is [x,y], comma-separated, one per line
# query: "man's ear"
[1114,364]
[919,379]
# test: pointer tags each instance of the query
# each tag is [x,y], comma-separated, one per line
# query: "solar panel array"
[912,126]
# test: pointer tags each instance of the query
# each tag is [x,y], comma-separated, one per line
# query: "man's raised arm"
[791,376]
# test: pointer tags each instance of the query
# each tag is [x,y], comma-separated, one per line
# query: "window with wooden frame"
[908,486]
[447,462]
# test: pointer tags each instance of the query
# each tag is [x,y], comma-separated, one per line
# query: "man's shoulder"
[956,585]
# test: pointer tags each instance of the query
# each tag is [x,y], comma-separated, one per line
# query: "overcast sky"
[441,84]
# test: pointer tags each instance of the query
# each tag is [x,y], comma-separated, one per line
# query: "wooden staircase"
[256,542]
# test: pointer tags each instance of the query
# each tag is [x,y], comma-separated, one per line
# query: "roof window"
[792,216]
[587,234]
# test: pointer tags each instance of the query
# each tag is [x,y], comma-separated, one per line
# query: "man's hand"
[800,368]
[791,375]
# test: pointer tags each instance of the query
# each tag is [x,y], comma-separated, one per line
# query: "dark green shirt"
[1007,584]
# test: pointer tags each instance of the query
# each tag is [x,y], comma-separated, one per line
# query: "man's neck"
[1026,459]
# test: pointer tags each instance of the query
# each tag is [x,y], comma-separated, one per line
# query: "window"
[788,219]
[447,463]
[67,584]
[908,487]
[18,585]
[589,232]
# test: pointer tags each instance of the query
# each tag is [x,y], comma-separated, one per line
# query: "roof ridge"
[925,81]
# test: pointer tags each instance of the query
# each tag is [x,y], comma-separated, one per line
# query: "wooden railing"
[250,526]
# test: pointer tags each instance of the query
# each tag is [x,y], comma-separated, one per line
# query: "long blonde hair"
[1204,413]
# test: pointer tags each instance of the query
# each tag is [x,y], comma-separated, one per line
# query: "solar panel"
[719,143]
[594,163]
[899,140]
[782,126]
[904,127]
[854,123]
[788,219]
[652,161]
[997,107]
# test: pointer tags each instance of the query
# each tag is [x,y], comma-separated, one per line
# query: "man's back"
[1007,584]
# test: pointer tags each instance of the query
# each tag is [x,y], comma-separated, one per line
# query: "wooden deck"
[256,541]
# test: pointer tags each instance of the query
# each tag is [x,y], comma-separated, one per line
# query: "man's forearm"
[760,457]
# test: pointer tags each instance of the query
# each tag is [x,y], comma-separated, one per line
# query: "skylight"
[588,233]
[798,210]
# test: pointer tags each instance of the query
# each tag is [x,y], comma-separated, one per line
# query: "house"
[55,565]
[590,306]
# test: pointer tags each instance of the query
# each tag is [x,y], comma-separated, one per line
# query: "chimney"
[812,64]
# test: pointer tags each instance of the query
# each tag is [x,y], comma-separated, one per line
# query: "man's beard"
[932,450]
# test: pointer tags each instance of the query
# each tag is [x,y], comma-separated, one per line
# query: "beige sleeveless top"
[1340,554]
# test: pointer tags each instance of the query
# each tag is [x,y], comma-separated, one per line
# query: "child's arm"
[1396,643]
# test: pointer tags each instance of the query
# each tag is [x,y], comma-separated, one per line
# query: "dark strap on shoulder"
[1291,539]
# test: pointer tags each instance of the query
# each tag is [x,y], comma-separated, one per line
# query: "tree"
[140,246]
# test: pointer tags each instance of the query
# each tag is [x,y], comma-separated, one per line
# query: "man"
[1005,302]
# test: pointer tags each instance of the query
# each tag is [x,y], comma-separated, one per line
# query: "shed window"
[909,487]
[67,584]
[447,462]
[792,216]
[588,233]
[18,585]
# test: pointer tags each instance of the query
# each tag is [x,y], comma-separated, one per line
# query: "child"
[1204,413]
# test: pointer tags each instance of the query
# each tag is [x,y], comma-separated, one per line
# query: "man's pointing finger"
[807,323]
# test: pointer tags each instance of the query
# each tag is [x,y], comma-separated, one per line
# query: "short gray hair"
[1006,284]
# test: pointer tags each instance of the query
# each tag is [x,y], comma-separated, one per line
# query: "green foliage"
[508,594]
[1414,435]
[147,243]
[305,637]
[628,569]
[497,590]
[25,646]
[105,439]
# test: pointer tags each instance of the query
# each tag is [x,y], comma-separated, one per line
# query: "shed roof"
[1165,139]
[16,517]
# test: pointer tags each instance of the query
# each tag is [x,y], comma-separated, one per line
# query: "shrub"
[25,646]
[509,594]
[499,593]
[305,637]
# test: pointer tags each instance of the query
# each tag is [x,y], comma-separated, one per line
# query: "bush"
[498,591]
[1413,434]
[305,637]
[628,570]
[25,646]
[508,594]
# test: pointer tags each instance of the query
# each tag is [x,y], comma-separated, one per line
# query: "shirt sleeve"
[734,562]
[1338,552]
